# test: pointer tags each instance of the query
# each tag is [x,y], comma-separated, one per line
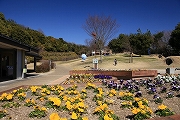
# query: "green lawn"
[139,62]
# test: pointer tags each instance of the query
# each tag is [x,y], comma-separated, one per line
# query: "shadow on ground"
[31,73]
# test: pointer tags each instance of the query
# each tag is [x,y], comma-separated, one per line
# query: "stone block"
[170,70]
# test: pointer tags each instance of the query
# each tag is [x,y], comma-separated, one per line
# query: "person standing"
[115,62]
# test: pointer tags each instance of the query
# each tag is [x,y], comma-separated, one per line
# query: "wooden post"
[35,63]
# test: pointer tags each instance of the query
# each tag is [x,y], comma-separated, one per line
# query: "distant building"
[105,51]
[12,58]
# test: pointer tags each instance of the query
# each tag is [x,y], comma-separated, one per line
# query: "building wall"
[7,63]
[12,62]
[20,64]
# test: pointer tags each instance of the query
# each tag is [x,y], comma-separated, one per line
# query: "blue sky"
[64,18]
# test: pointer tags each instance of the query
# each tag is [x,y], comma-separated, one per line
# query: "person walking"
[115,62]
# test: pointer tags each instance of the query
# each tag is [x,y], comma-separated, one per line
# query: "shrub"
[44,67]
[53,65]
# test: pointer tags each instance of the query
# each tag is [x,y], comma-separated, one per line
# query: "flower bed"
[110,100]
[86,78]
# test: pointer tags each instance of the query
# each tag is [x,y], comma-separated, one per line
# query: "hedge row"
[59,56]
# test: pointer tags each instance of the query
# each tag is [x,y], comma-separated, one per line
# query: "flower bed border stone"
[120,74]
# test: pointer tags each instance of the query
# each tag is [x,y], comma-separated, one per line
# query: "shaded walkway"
[55,76]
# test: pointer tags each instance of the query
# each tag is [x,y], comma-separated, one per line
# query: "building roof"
[9,43]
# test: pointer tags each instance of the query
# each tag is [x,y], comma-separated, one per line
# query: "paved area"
[55,76]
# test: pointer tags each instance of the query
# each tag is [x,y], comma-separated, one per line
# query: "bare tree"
[101,29]
[166,36]
[91,45]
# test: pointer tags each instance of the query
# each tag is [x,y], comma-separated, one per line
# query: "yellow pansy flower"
[33,101]
[83,91]
[85,118]
[97,109]
[109,112]
[43,90]
[81,104]
[99,102]
[34,88]
[43,94]
[55,100]
[65,98]
[113,91]
[140,103]
[72,100]
[44,109]
[137,99]
[41,99]
[27,100]
[143,111]
[98,95]
[135,110]
[124,103]
[104,106]
[68,105]
[80,99]
[145,100]
[48,92]
[9,96]
[107,117]
[14,91]
[36,107]
[22,94]
[111,95]
[150,110]
[54,116]
[141,106]
[81,110]
[4,95]
[74,116]
[121,94]
[162,107]
[63,119]
[61,88]
[129,94]
[100,89]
